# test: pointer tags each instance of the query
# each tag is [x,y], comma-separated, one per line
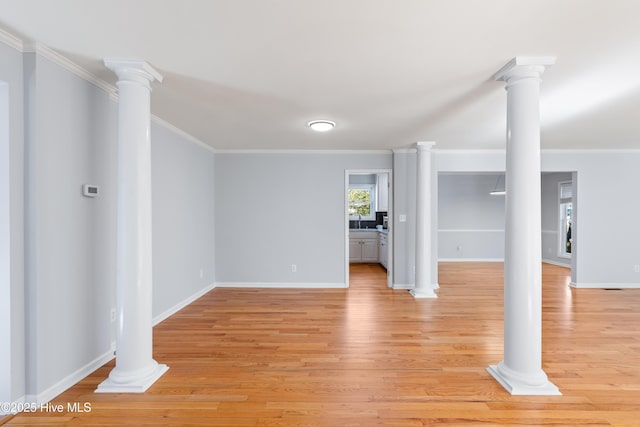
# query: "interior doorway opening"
[471,217]
[368,206]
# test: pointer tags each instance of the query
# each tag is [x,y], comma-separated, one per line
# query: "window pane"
[567,218]
[566,191]
[359,202]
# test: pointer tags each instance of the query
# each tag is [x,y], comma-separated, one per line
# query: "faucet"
[359,220]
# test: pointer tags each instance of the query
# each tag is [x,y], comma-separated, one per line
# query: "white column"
[521,370]
[135,369]
[423,287]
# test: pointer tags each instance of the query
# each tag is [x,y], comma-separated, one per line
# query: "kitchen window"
[362,202]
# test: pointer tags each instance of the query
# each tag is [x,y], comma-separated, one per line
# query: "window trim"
[562,253]
[372,201]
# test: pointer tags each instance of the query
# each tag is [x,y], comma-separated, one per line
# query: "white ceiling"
[249,74]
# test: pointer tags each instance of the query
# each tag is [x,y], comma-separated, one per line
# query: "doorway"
[368,202]
[471,217]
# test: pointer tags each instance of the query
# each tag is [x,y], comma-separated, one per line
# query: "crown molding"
[67,64]
[405,151]
[301,151]
[72,67]
[592,151]
[469,151]
[185,135]
[11,40]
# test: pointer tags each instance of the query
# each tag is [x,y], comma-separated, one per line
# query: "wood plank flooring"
[371,356]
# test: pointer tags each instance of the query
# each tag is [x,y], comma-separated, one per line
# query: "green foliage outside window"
[359,202]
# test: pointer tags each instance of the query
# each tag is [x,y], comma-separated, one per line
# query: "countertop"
[383,231]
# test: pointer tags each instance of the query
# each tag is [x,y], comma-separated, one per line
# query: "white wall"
[605,253]
[12,360]
[71,139]
[278,209]
[5,248]
[470,220]
[404,204]
[70,245]
[607,239]
[550,217]
[183,226]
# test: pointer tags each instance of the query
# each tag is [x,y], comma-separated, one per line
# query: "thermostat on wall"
[90,190]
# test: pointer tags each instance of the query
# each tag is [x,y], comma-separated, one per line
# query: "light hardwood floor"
[371,356]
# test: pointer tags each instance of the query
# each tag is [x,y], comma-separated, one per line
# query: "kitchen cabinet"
[383,249]
[382,185]
[363,246]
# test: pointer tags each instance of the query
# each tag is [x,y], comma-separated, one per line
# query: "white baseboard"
[470,259]
[559,264]
[70,380]
[605,285]
[279,285]
[409,286]
[182,304]
[16,404]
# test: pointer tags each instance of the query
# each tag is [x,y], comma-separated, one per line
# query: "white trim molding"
[67,64]
[404,151]
[180,132]
[591,151]
[64,62]
[470,259]
[13,406]
[11,40]
[559,264]
[301,151]
[605,285]
[182,304]
[70,380]
[281,285]
[403,286]
[470,230]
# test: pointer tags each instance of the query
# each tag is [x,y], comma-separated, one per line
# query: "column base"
[423,293]
[519,386]
[132,383]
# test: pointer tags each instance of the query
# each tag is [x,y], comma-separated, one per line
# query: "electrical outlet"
[201,273]
[294,268]
[113,314]
[458,248]
[636,268]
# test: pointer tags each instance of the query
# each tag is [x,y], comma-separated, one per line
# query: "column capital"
[424,145]
[134,70]
[524,67]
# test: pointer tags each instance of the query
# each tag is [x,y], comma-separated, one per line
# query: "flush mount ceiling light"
[321,125]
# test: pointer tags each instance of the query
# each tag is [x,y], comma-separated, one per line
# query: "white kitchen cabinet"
[355,250]
[363,246]
[369,250]
[383,249]
[382,184]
